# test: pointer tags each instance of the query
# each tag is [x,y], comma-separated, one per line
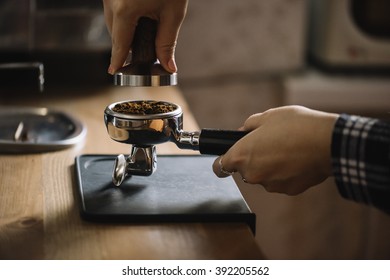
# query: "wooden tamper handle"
[143,47]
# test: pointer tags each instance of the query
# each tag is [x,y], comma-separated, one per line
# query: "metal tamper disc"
[144,76]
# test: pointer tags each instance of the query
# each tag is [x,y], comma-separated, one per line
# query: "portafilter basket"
[145,123]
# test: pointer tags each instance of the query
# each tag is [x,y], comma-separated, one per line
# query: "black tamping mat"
[182,189]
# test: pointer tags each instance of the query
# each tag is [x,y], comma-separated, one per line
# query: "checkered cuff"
[361,160]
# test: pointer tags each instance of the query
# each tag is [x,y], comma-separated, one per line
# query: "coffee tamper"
[144,69]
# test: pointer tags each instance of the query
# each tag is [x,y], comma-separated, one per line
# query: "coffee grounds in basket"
[143,107]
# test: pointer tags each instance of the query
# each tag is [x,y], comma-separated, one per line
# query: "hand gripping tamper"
[144,69]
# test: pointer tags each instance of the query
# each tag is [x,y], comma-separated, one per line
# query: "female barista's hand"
[288,150]
[122,16]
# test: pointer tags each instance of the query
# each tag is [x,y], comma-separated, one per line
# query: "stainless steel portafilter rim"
[128,116]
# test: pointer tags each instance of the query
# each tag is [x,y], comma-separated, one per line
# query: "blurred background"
[236,58]
[256,54]
[253,55]
[68,37]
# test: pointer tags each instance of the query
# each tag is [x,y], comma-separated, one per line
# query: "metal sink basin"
[34,130]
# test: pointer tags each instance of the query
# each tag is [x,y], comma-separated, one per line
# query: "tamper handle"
[217,141]
[143,46]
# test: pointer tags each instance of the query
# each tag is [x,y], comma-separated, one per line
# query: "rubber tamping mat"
[182,189]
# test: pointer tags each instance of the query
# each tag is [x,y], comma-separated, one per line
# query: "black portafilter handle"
[218,141]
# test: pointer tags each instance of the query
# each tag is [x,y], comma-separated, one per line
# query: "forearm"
[361,160]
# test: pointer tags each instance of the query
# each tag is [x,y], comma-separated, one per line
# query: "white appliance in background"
[351,40]
[338,93]
[350,33]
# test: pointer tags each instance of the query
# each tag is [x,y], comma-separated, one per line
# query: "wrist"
[325,138]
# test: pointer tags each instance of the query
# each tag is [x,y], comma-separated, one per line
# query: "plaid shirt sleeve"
[361,160]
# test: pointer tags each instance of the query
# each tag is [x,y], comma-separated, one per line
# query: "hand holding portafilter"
[144,69]
[147,123]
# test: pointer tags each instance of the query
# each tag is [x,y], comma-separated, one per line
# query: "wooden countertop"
[39,214]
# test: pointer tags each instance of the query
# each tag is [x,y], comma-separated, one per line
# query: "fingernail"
[172,65]
[110,70]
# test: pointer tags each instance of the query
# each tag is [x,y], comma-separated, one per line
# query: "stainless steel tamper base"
[138,75]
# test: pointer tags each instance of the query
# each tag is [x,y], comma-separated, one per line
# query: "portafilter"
[145,123]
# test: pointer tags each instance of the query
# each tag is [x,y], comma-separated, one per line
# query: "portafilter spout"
[144,69]
[145,123]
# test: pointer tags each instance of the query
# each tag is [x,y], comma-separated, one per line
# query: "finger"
[122,38]
[231,161]
[220,170]
[255,121]
[166,41]
[237,159]
[107,15]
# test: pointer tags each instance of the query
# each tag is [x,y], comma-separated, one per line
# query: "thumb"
[166,40]
[255,121]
